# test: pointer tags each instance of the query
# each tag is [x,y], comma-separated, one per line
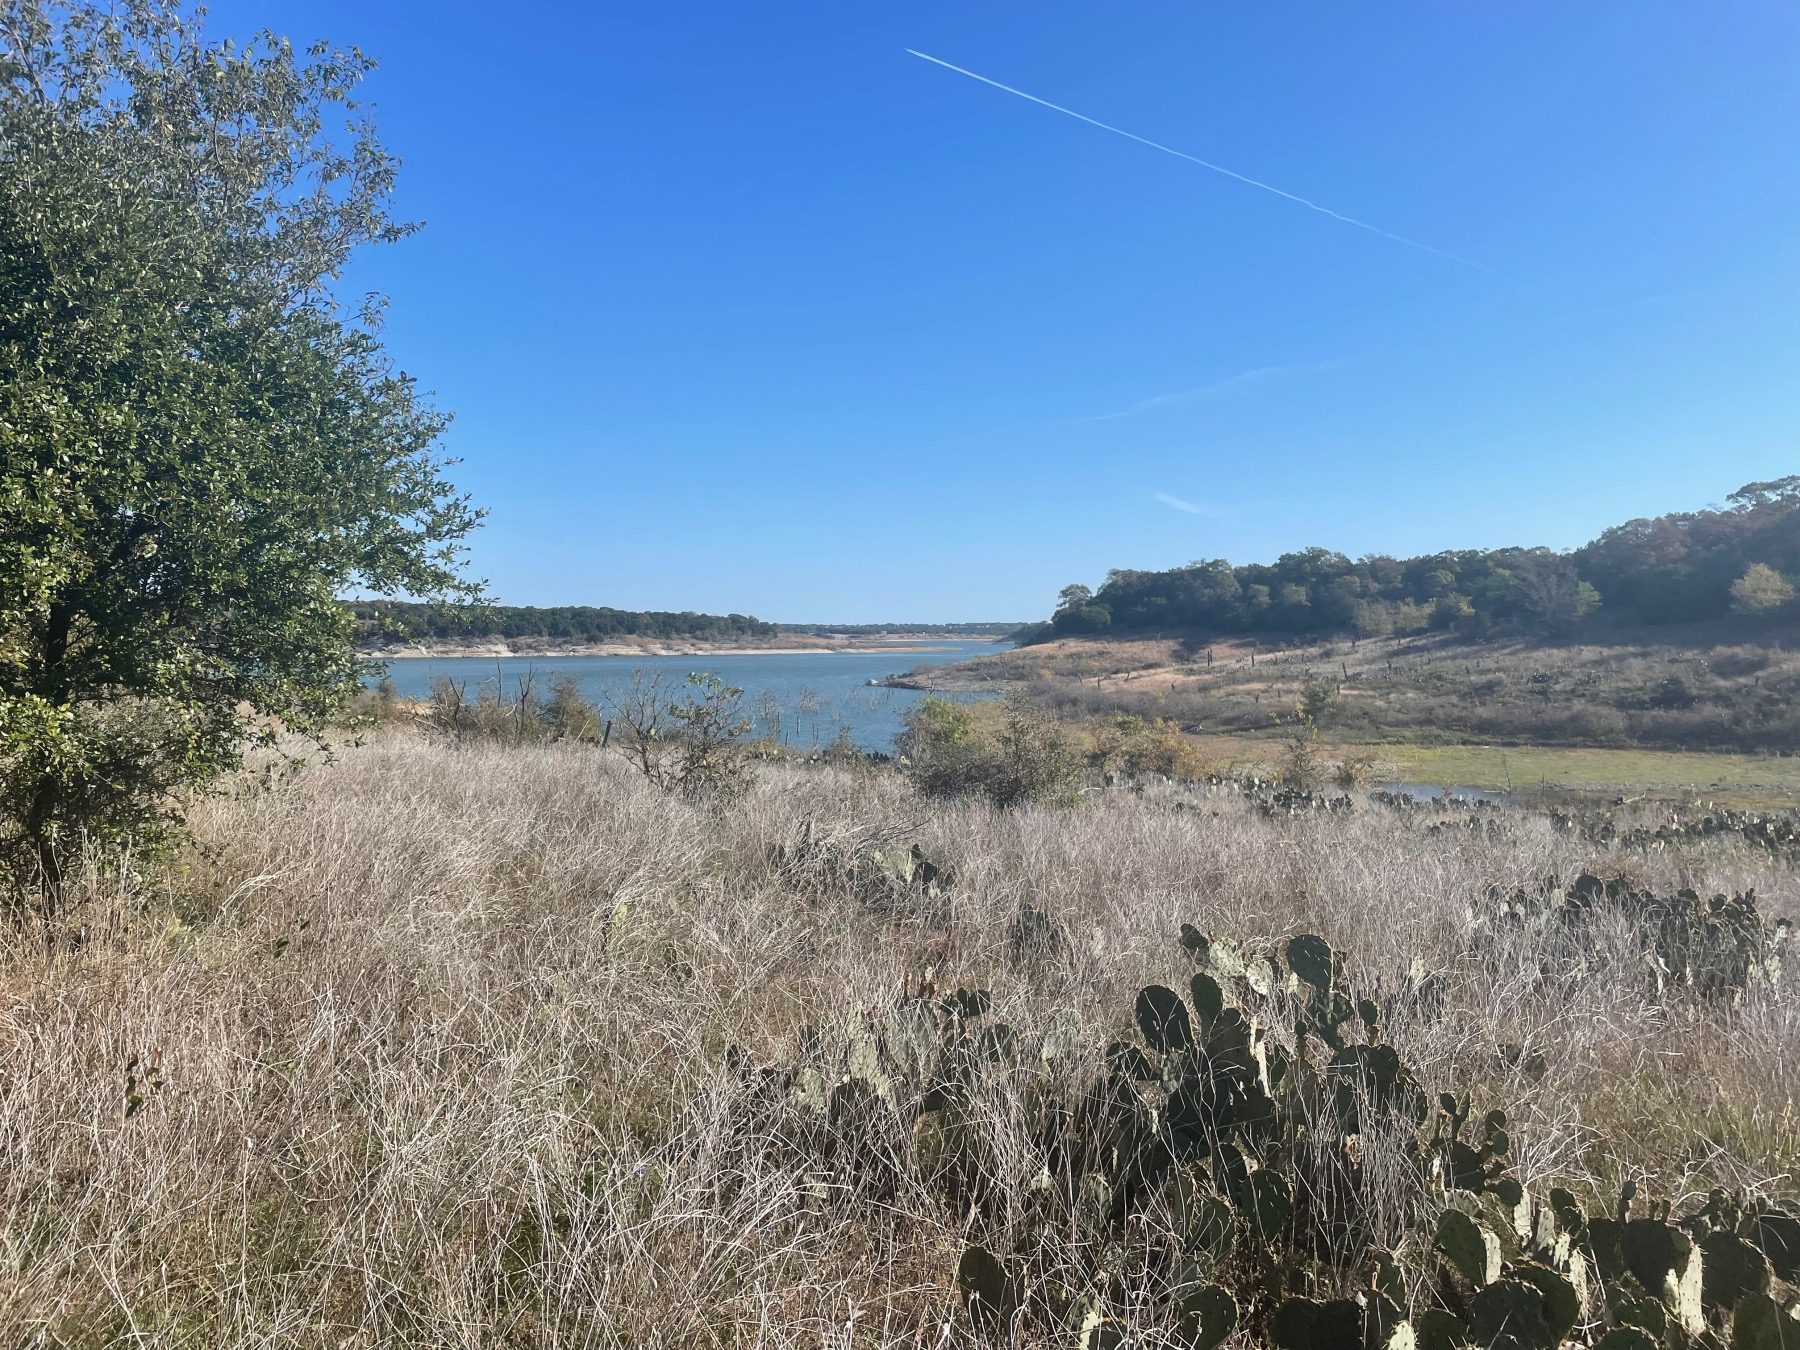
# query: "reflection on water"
[809,698]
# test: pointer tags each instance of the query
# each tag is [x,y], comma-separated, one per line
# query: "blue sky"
[741,307]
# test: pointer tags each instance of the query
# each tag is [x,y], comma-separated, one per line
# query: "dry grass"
[440,1035]
[1650,690]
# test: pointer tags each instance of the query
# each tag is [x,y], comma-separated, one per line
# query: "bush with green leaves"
[947,752]
[201,447]
[1138,746]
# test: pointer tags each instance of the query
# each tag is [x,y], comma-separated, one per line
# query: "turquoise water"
[818,693]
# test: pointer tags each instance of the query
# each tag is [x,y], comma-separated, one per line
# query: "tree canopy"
[201,447]
[1675,568]
[578,623]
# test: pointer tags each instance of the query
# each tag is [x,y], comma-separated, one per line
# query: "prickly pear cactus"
[1213,1177]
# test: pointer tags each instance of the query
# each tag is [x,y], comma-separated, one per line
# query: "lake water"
[818,693]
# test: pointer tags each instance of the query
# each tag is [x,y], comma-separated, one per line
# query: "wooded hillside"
[1742,558]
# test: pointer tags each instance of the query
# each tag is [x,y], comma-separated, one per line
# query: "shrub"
[1319,703]
[693,745]
[947,755]
[380,704]
[1302,767]
[1135,745]
[449,709]
[567,714]
[1355,771]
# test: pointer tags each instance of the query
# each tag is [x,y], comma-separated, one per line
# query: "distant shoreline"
[787,645]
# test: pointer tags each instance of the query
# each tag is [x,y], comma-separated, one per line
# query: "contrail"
[1205,164]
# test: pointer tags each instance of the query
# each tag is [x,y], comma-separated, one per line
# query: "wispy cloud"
[1170,500]
[1200,394]
[1232,384]
[1205,164]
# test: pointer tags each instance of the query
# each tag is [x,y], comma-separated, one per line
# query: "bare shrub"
[691,744]
[1355,771]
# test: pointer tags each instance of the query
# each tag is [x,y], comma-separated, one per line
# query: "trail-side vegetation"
[461,1041]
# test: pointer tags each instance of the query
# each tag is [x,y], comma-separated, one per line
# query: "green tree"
[1548,595]
[1761,590]
[1073,596]
[200,446]
[1082,619]
[1076,611]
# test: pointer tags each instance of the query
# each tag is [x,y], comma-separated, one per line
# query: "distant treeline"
[1694,565]
[968,630]
[573,623]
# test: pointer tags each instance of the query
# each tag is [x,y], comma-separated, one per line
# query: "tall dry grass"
[427,1045]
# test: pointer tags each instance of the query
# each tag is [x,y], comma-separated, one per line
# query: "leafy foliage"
[1761,590]
[199,446]
[947,753]
[376,619]
[1693,565]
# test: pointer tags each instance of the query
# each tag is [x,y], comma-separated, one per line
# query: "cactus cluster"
[1489,827]
[1211,1175]
[1298,802]
[1442,804]
[1715,948]
[886,876]
[1530,1275]
[1776,832]
[1242,1150]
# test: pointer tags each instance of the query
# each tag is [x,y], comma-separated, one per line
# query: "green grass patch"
[1677,771]
[1747,781]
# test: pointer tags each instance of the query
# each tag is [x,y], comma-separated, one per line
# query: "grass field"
[1680,716]
[429,1046]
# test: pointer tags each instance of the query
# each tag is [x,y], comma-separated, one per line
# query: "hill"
[1001,629]
[392,624]
[391,620]
[1679,710]
[1741,560]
